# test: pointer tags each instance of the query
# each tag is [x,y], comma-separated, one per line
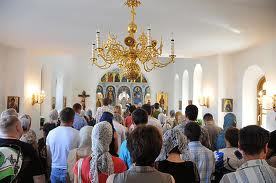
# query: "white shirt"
[154,122]
[121,131]
[60,141]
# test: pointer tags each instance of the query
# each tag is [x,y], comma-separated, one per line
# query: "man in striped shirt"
[253,142]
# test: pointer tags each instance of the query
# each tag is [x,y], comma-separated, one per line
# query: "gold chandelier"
[145,49]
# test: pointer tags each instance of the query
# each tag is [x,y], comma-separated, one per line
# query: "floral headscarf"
[101,158]
[171,139]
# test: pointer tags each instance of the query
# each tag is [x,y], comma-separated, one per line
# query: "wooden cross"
[83,96]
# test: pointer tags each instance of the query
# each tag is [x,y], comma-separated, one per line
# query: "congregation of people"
[139,145]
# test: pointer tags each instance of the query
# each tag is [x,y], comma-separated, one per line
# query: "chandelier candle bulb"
[172,46]
[149,36]
[98,39]
[93,51]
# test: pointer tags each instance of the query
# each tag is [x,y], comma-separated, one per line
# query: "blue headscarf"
[107,116]
[229,121]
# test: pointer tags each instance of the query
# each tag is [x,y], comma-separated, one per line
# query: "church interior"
[217,54]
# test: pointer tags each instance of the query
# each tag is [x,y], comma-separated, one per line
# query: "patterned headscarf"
[101,159]
[171,139]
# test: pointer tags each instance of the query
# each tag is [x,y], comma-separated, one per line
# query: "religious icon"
[110,94]
[110,77]
[103,79]
[98,103]
[53,102]
[227,105]
[83,97]
[13,102]
[137,95]
[117,77]
[124,79]
[162,99]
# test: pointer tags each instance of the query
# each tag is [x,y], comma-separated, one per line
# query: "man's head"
[132,108]
[144,145]
[106,101]
[192,131]
[117,110]
[139,116]
[156,106]
[208,117]
[253,141]
[67,116]
[77,108]
[10,126]
[9,112]
[191,112]
[147,108]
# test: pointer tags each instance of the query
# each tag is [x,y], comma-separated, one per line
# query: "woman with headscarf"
[29,136]
[97,167]
[82,151]
[113,148]
[170,160]
[229,121]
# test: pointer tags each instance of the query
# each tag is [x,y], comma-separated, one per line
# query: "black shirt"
[181,172]
[31,165]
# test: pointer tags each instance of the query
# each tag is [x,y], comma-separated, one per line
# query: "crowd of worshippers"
[139,145]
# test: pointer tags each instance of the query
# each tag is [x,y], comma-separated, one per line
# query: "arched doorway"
[121,90]
[251,79]
[261,90]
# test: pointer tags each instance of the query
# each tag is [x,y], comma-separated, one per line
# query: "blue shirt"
[124,154]
[204,159]
[79,122]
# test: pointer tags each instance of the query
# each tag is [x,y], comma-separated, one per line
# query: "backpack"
[11,160]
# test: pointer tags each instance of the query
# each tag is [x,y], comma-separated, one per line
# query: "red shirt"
[119,167]
[128,121]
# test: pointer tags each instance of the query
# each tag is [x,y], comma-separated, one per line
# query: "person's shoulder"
[119,164]
[230,177]
[124,144]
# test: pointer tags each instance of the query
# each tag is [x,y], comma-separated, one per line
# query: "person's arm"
[39,179]
[49,157]
[75,178]
[110,179]
[116,147]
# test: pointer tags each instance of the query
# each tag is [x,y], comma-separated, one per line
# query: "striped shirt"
[253,171]
[204,160]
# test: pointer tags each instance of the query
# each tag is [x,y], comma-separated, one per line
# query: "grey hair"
[118,118]
[172,113]
[53,115]
[9,112]
[25,122]
[85,136]
[7,121]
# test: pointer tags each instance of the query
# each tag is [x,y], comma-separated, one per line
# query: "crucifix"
[83,96]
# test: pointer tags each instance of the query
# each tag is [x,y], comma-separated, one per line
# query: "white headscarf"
[101,158]
[171,139]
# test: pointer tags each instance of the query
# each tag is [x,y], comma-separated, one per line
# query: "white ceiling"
[201,27]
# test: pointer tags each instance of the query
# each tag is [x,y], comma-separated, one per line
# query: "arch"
[251,77]
[197,88]
[185,90]
[137,95]
[176,91]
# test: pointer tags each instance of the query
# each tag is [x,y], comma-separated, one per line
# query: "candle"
[149,36]
[98,39]
[93,51]
[172,44]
